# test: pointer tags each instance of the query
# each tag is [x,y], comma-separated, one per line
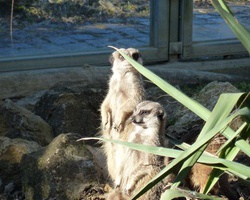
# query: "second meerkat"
[137,168]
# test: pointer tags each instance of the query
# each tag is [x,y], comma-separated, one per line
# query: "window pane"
[69,26]
[209,25]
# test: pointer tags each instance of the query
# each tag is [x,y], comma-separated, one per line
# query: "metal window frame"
[211,48]
[155,52]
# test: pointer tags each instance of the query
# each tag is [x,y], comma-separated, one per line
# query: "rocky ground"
[39,155]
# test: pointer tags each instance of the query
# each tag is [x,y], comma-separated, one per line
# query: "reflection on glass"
[66,26]
[209,25]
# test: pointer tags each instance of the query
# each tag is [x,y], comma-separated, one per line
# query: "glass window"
[209,25]
[69,26]
[65,33]
[205,34]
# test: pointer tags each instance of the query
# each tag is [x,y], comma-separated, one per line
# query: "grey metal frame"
[155,52]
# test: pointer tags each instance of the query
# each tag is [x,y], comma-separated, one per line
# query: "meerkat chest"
[144,136]
[117,82]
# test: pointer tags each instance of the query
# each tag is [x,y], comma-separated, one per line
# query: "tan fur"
[137,168]
[199,173]
[125,92]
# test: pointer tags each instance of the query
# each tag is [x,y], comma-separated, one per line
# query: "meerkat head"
[119,63]
[149,114]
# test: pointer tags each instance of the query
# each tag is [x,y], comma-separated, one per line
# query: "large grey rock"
[30,101]
[11,153]
[18,122]
[72,110]
[62,170]
[188,124]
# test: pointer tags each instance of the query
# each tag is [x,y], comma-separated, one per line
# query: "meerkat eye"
[144,112]
[121,57]
[136,56]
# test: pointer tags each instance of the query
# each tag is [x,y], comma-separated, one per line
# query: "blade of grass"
[225,6]
[230,155]
[228,151]
[175,193]
[211,160]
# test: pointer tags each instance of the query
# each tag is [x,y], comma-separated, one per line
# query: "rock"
[18,122]
[62,170]
[12,191]
[30,101]
[1,185]
[9,188]
[72,110]
[188,124]
[11,153]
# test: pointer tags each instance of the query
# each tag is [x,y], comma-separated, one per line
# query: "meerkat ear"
[162,115]
[111,59]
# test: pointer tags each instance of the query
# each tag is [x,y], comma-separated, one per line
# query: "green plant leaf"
[225,6]
[176,193]
[228,150]
[206,158]
[223,107]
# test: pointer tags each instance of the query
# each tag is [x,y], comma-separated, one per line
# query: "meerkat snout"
[136,119]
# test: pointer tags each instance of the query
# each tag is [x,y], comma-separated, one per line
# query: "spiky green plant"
[217,121]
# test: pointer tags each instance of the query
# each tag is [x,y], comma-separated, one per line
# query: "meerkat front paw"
[118,128]
[129,188]
[127,192]
[117,183]
[106,122]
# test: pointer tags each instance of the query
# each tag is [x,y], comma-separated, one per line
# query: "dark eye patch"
[136,56]
[144,112]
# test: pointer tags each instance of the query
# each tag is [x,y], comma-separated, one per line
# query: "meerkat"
[137,168]
[126,90]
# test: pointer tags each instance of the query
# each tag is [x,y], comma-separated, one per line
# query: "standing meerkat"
[137,168]
[126,90]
